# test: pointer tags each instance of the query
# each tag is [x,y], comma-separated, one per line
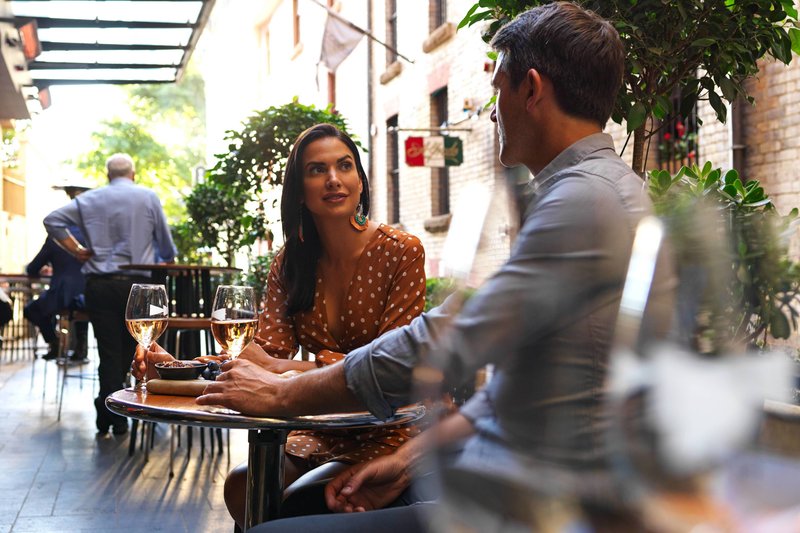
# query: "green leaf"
[467,18]
[728,89]
[794,35]
[731,176]
[718,106]
[703,42]
[779,325]
[636,116]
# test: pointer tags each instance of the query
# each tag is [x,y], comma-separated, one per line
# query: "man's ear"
[535,87]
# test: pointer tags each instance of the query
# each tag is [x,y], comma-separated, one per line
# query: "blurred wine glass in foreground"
[146,316]
[233,318]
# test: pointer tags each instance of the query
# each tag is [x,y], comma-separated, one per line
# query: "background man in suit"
[65,292]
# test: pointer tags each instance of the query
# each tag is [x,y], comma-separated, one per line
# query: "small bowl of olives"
[180,369]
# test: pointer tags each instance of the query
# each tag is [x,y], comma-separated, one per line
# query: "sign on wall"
[434,151]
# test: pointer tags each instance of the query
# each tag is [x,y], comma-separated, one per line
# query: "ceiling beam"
[51,46]
[42,82]
[52,65]
[48,23]
[202,19]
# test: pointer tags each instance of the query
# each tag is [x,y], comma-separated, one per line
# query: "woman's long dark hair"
[299,267]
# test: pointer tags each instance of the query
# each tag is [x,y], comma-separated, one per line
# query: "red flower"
[691,155]
[680,129]
[667,136]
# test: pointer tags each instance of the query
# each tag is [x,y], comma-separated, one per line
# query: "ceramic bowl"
[186,370]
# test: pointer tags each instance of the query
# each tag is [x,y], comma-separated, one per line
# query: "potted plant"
[731,247]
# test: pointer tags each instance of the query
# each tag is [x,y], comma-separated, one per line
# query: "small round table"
[266,438]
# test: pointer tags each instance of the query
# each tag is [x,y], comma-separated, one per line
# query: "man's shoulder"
[133,191]
[596,174]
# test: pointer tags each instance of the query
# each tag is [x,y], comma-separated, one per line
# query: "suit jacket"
[67,282]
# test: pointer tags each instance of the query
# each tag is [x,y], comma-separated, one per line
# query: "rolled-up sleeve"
[163,237]
[57,222]
[380,374]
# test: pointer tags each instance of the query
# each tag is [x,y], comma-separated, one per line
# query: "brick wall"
[458,63]
[771,132]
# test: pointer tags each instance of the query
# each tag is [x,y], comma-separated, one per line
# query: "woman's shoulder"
[402,238]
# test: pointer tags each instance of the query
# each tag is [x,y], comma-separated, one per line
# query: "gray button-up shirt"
[123,223]
[546,318]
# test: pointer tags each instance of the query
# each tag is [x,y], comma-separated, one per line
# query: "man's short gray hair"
[119,165]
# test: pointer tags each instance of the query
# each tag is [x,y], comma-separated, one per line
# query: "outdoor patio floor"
[63,477]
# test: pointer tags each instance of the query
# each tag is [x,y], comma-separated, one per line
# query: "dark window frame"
[437,11]
[440,177]
[392,170]
[391,31]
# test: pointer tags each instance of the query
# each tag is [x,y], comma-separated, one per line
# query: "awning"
[112,41]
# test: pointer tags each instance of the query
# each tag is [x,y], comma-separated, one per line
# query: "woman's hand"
[145,359]
[256,354]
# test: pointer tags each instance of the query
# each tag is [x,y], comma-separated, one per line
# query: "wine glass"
[146,316]
[233,318]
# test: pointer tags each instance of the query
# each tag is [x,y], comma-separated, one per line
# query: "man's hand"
[246,387]
[83,254]
[368,486]
[145,359]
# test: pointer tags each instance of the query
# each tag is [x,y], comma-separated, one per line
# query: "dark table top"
[177,267]
[183,410]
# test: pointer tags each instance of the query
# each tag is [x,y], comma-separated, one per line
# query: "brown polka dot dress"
[387,291]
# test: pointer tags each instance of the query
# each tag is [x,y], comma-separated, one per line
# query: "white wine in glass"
[234,318]
[146,316]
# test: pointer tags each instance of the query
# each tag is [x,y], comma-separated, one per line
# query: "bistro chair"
[66,321]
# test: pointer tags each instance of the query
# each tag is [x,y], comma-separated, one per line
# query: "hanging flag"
[339,39]
[434,151]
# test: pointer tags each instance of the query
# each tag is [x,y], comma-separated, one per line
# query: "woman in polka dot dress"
[339,282]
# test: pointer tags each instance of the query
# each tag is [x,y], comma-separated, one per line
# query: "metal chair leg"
[171,450]
[132,440]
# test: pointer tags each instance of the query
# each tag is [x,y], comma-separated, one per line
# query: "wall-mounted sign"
[434,151]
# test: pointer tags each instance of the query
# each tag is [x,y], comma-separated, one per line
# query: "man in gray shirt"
[123,223]
[546,318]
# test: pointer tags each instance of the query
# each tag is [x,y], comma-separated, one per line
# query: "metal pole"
[264,476]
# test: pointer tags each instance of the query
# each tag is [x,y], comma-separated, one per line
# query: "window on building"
[677,140]
[391,31]
[392,171]
[437,10]
[296,22]
[264,45]
[440,177]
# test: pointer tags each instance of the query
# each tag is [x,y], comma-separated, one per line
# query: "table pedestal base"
[264,492]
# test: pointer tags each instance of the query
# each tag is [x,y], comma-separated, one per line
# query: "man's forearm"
[71,245]
[319,391]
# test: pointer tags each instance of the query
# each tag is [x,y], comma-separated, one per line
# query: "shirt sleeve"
[567,253]
[163,237]
[57,222]
[275,327]
[479,406]
[380,373]
[41,259]
[406,296]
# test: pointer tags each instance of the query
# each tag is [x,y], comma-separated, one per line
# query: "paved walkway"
[63,477]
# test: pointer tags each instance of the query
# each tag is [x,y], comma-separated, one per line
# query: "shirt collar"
[574,154]
[121,180]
